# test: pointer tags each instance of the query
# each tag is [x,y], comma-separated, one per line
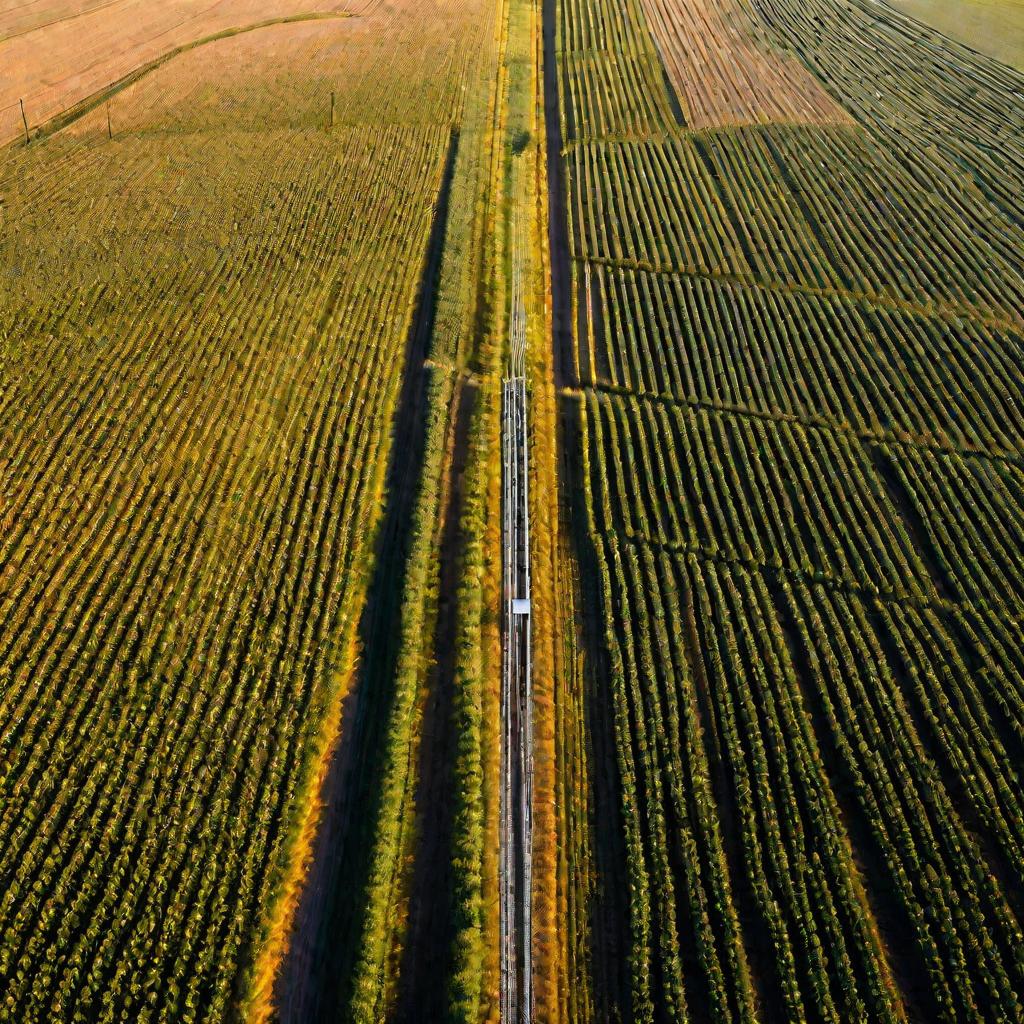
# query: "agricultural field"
[791,383]
[260,261]
[995,27]
[224,256]
[58,54]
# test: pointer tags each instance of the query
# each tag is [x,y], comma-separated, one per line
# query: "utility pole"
[332,108]
[110,132]
[24,121]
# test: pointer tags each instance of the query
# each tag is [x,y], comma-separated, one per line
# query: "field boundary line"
[826,581]
[808,423]
[940,310]
[60,21]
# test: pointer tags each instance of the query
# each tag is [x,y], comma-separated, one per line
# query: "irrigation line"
[516,854]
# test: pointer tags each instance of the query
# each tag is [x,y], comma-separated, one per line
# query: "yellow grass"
[83,48]
[531,202]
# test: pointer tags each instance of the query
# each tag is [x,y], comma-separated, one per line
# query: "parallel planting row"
[200,372]
[898,521]
[798,322]
[826,360]
[767,717]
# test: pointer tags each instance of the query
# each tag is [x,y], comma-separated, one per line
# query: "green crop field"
[259,265]
[795,373]
[210,310]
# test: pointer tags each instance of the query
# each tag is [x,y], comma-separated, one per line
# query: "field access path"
[595,920]
[516,696]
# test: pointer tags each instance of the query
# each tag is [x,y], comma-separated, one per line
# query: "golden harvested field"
[995,27]
[726,70]
[54,59]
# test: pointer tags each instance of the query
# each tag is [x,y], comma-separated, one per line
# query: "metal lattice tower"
[516,692]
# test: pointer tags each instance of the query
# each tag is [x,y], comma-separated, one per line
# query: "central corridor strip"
[516,698]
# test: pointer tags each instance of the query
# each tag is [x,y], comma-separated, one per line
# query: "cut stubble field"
[206,306]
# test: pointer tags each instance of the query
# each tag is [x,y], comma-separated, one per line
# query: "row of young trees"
[969,510]
[774,674]
[958,906]
[735,840]
[611,75]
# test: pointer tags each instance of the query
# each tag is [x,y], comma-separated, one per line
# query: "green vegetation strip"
[788,341]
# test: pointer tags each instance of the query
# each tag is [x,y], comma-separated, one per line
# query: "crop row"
[872,683]
[752,490]
[970,515]
[924,99]
[776,493]
[734,836]
[798,335]
[188,493]
[729,779]
[613,80]
[755,205]
[820,358]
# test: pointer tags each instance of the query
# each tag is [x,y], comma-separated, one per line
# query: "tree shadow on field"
[316,978]
[520,141]
[426,967]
